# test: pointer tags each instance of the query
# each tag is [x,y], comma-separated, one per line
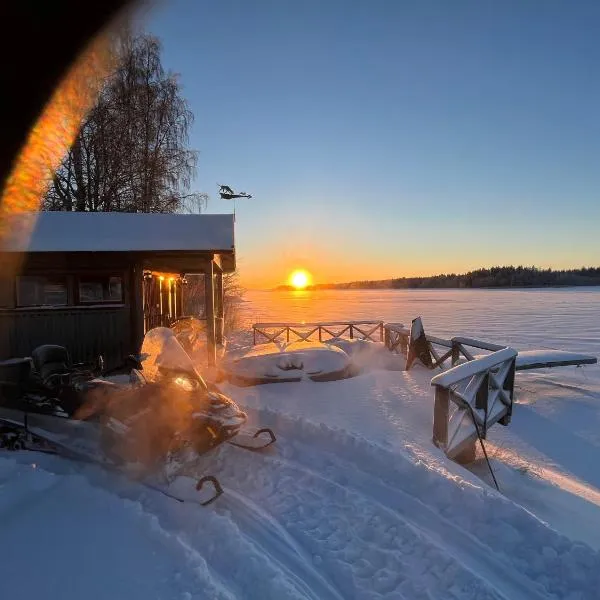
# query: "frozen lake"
[566,318]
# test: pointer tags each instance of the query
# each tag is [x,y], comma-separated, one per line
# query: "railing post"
[481,400]
[320,334]
[441,411]
[455,353]
[351,332]
[254,335]
[287,334]
[509,387]
[381,331]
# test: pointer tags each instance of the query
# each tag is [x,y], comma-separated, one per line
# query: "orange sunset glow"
[300,279]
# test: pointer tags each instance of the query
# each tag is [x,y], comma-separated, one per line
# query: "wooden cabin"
[96,282]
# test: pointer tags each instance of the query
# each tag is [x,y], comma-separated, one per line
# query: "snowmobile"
[152,423]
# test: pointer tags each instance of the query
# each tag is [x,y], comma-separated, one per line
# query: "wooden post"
[467,455]
[455,353]
[418,346]
[481,398]
[219,308]
[178,298]
[481,401]
[172,307]
[209,309]
[164,301]
[381,331]
[509,387]
[351,332]
[441,412]
[136,301]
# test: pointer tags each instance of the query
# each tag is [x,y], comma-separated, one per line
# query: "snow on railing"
[272,332]
[430,350]
[481,393]
[396,337]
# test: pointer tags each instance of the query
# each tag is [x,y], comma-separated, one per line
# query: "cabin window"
[99,289]
[41,291]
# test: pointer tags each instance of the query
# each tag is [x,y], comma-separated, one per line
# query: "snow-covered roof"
[118,232]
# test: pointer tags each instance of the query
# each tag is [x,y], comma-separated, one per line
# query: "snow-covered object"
[468,369]
[292,362]
[536,359]
[58,231]
[365,354]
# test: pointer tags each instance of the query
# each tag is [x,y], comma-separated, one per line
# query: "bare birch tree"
[132,153]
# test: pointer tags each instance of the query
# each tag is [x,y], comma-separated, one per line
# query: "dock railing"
[438,352]
[396,338]
[290,332]
[480,392]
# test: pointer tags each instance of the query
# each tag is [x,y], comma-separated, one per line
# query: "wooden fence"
[481,393]
[290,332]
[396,337]
[444,353]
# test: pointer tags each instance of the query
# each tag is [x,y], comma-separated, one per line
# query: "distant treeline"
[496,277]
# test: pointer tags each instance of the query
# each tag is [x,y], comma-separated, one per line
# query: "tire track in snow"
[268,534]
[555,565]
[238,568]
[473,555]
[367,550]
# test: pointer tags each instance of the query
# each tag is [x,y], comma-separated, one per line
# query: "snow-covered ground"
[353,501]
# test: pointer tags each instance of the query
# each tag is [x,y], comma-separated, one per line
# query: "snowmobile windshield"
[162,354]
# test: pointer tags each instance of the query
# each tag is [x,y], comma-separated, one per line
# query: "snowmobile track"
[468,550]
[262,529]
[406,545]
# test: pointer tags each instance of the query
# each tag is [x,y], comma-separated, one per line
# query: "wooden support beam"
[441,411]
[178,298]
[136,302]
[163,284]
[455,353]
[209,300]
[219,308]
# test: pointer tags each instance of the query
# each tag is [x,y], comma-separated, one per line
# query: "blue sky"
[389,138]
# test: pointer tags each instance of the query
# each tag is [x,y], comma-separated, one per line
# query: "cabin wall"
[85,329]
[85,332]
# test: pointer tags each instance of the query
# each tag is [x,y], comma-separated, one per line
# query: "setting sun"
[300,279]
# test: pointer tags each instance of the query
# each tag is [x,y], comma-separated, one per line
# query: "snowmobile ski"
[255,442]
[15,436]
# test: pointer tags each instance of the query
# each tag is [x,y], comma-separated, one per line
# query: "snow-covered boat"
[290,362]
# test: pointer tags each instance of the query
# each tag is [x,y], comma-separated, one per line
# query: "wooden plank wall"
[85,332]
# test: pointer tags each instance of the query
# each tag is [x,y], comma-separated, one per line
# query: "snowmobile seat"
[52,364]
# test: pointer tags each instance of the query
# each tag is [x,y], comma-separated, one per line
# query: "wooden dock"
[473,392]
